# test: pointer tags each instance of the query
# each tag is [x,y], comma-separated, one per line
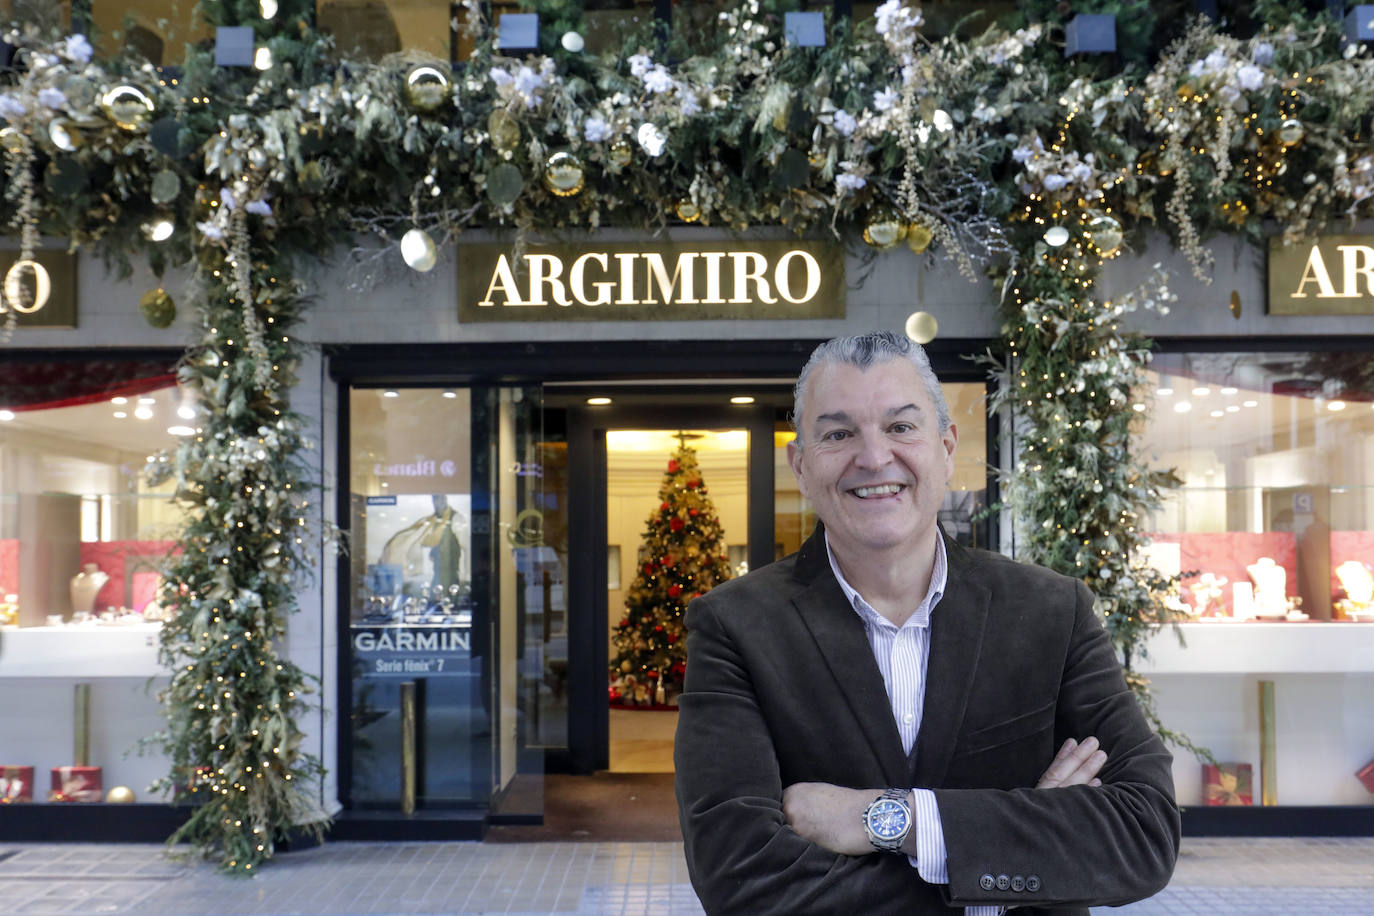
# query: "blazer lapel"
[839,634]
[956,638]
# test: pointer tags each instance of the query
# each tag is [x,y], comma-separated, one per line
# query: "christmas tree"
[683,556]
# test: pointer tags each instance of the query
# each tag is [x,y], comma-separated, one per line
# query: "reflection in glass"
[372,29]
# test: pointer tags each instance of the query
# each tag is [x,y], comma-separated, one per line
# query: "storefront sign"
[651,281]
[42,292]
[411,651]
[1331,275]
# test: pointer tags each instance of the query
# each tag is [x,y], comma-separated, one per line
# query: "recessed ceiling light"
[119,400]
[147,400]
[120,414]
[1164,392]
[741,399]
[598,402]
[1249,403]
[391,394]
[181,430]
[1201,391]
[450,394]
[1335,405]
[6,416]
[1182,407]
[1232,408]
[143,413]
[1229,390]
[1138,408]
[186,412]
[1218,413]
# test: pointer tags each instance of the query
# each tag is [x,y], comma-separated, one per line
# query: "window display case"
[82,541]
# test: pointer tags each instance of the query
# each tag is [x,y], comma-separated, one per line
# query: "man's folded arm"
[741,854]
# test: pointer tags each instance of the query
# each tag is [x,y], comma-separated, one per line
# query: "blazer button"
[1003,882]
[1018,883]
[1032,883]
[987,882]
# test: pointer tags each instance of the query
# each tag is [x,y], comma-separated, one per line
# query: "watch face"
[887,819]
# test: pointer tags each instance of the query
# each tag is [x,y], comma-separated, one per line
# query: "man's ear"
[794,459]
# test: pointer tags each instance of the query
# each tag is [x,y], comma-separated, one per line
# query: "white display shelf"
[1262,648]
[80,652]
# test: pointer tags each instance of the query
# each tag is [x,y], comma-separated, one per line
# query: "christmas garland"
[994,150]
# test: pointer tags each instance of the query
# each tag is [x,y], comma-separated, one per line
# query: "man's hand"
[829,816]
[1075,765]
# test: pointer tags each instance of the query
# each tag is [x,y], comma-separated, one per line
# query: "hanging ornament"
[1291,131]
[1235,304]
[564,175]
[504,184]
[63,135]
[504,130]
[128,106]
[165,136]
[620,154]
[918,237]
[922,327]
[157,308]
[884,229]
[687,211]
[427,88]
[418,250]
[1056,236]
[158,229]
[572,42]
[1104,234]
[166,186]
[79,91]
[120,795]
[11,139]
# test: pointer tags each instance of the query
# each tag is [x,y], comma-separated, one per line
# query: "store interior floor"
[642,740]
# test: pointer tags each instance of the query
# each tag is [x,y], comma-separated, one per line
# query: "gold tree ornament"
[687,211]
[121,795]
[1104,233]
[63,135]
[427,88]
[158,308]
[564,175]
[127,106]
[1291,132]
[922,327]
[503,129]
[1056,236]
[419,251]
[918,237]
[11,139]
[884,229]
[620,154]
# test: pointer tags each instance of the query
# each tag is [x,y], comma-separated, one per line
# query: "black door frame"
[588,650]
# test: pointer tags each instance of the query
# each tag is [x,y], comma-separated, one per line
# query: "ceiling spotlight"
[181,430]
[1201,391]
[1218,413]
[598,402]
[120,414]
[1249,403]
[1335,405]
[1138,408]
[1164,392]
[6,416]
[741,399]
[1232,408]
[148,401]
[143,413]
[450,394]
[186,412]
[1229,390]
[119,400]
[391,393]
[1182,407]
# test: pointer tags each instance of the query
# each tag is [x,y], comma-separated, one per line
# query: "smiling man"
[870,725]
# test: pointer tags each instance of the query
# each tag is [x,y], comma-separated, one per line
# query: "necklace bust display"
[85,586]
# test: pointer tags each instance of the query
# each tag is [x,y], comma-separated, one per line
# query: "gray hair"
[866,350]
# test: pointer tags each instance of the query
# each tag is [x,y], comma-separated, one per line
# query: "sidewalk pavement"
[1214,876]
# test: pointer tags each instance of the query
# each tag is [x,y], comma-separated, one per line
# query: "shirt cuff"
[930,859]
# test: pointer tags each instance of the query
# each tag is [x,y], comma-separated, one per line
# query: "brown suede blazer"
[782,688]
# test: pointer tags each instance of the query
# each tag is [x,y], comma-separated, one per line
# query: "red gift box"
[16,785]
[1366,776]
[1228,784]
[76,784]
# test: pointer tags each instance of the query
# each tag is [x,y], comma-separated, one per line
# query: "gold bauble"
[620,154]
[918,237]
[63,135]
[504,130]
[11,139]
[1104,233]
[564,174]
[120,795]
[922,327]
[427,88]
[158,308]
[419,251]
[128,106]
[687,211]
[1291,131]
[884,229]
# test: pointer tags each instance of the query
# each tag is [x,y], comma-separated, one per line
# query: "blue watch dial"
[887,819]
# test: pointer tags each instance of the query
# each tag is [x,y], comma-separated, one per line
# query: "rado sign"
[668,281]
[1330,275]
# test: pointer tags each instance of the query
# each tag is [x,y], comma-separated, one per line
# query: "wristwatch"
[887,820]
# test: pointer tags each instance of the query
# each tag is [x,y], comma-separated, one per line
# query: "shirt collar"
[939,577]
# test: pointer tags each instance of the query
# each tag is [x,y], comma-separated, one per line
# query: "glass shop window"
[372,29]
[1275,517]
[48,16]
[157,30]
